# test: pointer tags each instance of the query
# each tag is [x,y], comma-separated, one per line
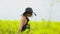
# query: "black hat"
[28,9]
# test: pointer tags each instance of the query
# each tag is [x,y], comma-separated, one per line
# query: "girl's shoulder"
[23,17]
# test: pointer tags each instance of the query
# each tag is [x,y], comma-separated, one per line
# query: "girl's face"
[30,14]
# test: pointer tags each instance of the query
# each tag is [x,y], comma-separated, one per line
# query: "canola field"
[36,27]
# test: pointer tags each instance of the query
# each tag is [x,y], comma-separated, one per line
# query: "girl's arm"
[23,19]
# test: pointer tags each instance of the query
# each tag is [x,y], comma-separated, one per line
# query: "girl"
[24,20]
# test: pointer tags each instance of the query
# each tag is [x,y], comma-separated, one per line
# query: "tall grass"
[36,27]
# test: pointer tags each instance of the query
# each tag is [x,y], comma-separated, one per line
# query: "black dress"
[25,26]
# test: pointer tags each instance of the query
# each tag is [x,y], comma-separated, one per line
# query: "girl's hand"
[19,30]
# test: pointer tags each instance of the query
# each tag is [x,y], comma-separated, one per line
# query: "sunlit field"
[36,27]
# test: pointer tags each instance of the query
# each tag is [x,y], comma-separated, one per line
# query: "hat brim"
[34,13]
